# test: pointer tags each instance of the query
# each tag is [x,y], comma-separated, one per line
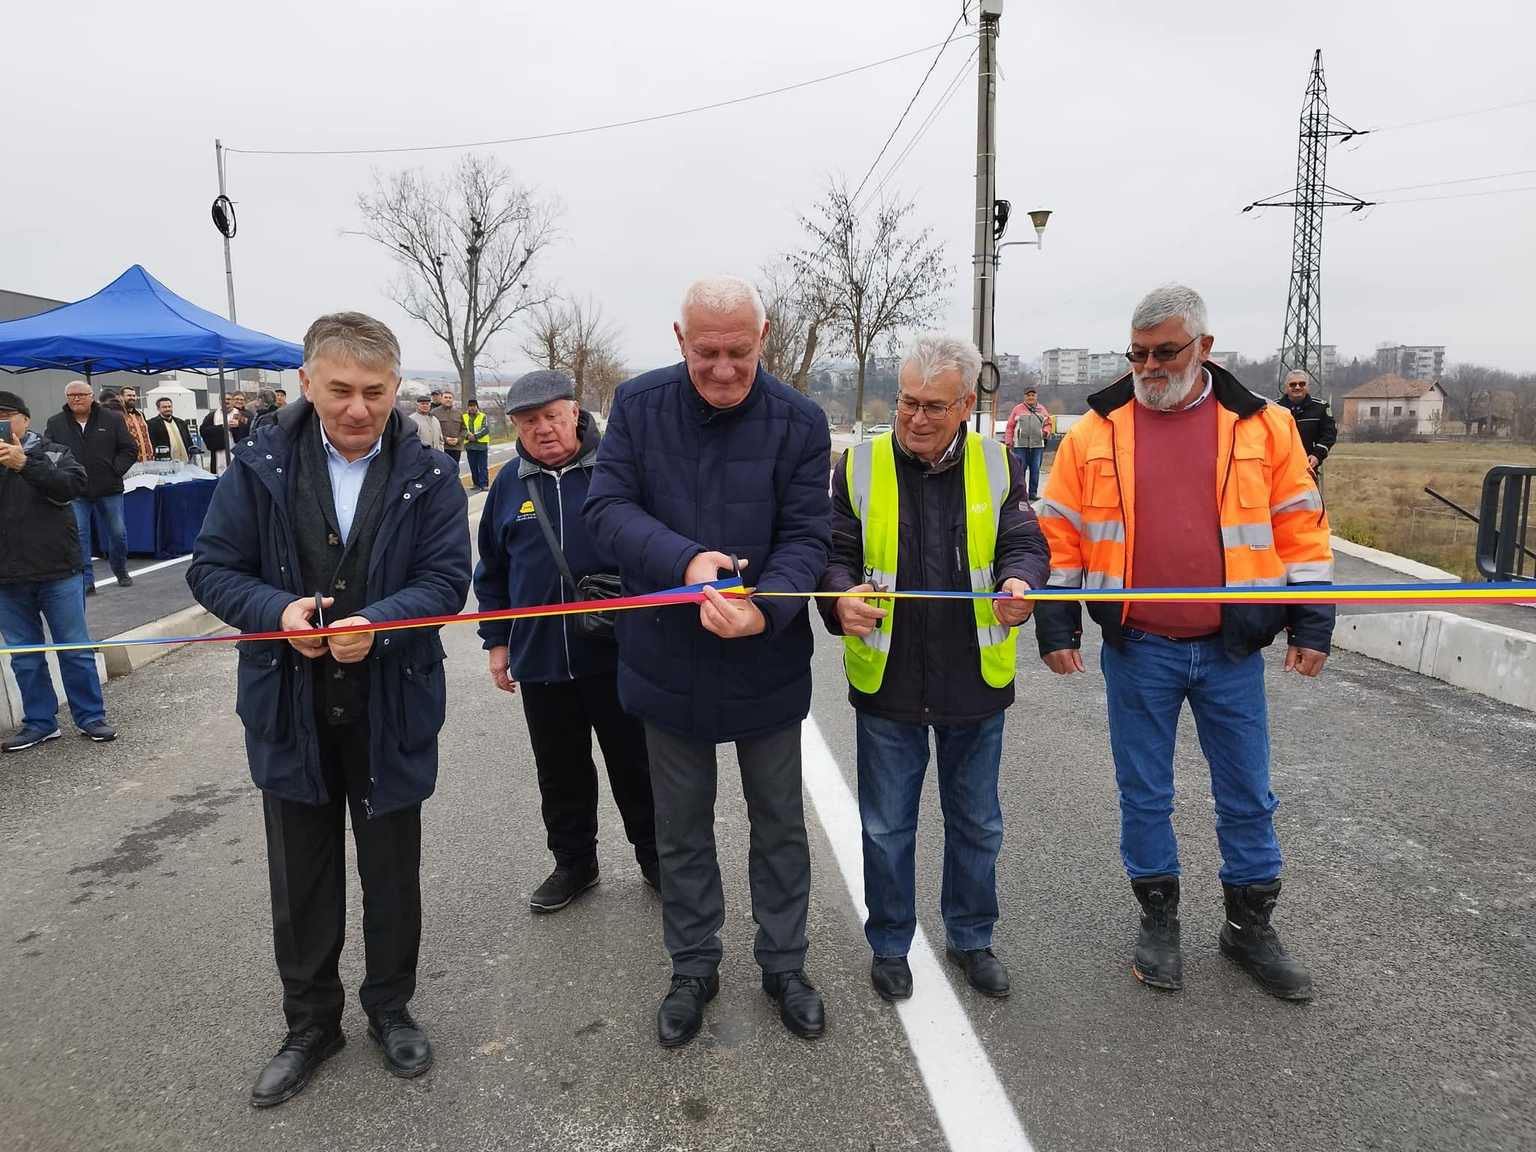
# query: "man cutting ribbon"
[1179,477]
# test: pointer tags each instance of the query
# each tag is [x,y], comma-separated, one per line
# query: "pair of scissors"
[319,611]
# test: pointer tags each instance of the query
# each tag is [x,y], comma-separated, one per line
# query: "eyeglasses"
[932,409]
[1162,353]
[1295,383]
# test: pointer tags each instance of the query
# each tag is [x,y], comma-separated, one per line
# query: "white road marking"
[968,1099]
[147,568]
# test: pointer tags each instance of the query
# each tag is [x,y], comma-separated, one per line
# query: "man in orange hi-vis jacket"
[1179,477]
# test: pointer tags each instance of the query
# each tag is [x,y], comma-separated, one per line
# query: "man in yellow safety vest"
[935,506]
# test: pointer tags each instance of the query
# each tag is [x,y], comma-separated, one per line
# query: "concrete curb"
[1486,658]
[191,621]
[1392,561]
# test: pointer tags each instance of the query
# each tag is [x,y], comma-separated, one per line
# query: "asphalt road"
[140,996]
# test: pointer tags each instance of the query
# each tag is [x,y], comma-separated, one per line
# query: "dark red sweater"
[1178,523]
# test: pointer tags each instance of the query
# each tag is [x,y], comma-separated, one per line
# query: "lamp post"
[987,404]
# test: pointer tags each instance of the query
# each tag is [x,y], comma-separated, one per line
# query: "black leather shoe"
[800,1005]
[983,971]
[287,1073]
[892,977]
[125,581]
[563,885]
[407,1051]
[681,1014]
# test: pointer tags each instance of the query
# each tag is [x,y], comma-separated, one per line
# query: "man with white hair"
[706,463]
[931,505]
[1179,477]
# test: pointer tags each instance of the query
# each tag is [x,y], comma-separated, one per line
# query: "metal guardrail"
[1504,522]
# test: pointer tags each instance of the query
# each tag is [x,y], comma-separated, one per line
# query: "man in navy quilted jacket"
[701,462]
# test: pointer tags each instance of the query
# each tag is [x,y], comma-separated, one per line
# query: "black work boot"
[1247,938]
[1158,962]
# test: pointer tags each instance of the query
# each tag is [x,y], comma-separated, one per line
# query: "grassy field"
[1375,496]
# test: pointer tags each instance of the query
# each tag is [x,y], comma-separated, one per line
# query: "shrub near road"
[1375,496]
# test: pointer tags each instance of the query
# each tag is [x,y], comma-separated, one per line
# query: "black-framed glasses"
[931,409]
[1295,383]
[1162,353]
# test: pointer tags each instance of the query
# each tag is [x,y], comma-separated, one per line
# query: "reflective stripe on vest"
[872,490]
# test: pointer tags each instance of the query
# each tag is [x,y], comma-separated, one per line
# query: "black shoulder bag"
[598,586]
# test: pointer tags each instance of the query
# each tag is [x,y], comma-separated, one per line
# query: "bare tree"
[878,277]
[574,337]
[797,318]
[468,245]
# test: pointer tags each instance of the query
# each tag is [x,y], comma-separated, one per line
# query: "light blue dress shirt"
[347,478]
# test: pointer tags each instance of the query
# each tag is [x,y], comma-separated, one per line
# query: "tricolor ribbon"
[1418,593]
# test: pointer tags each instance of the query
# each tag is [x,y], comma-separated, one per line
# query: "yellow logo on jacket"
[526,509]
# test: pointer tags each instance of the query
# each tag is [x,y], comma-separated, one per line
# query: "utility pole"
[984,262]
[1302,344]
[224,221]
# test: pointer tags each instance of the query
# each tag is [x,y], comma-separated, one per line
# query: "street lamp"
[1038,218]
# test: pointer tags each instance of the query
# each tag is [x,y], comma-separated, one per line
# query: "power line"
[1462,195]
[597,127]
[938,109]
[1452,116]
[902,119]
[1461,180]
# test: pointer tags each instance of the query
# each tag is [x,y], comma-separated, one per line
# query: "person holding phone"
[40,580]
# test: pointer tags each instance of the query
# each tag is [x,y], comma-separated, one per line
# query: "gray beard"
[1170,393]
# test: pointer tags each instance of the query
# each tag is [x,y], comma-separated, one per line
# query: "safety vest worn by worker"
[474,429]
[871,478]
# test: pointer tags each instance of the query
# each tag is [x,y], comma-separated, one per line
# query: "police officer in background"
[1313,420]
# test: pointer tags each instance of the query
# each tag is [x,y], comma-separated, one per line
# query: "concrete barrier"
[1487,658]
[193,621]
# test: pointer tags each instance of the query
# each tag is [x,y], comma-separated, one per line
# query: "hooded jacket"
[1273,527]
[36,521]
[245,571]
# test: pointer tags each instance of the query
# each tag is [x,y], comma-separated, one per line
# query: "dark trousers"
[454,454]
[306,863]
[478,458]
[683,778]
[561,718]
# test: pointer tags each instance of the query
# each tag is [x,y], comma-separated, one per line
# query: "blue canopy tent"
[137,324]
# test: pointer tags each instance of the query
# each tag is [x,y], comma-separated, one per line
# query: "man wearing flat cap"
[535,549]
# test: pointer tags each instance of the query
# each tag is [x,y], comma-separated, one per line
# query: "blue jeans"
[1147,683]
[893,758]
[1031,460]
[478,458]
[106,513]
[22,610]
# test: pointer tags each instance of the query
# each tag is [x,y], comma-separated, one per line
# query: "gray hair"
[1302,372]
[1167,302]
[352,336]
[934,353]
[721,294]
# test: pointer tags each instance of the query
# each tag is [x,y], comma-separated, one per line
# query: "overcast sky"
[1145,127]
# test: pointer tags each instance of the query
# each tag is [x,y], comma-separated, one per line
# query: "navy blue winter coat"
[245,571]
[676,477]
[517,569]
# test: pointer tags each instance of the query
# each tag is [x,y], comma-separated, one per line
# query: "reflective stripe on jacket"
[872,490]
[1274,530]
